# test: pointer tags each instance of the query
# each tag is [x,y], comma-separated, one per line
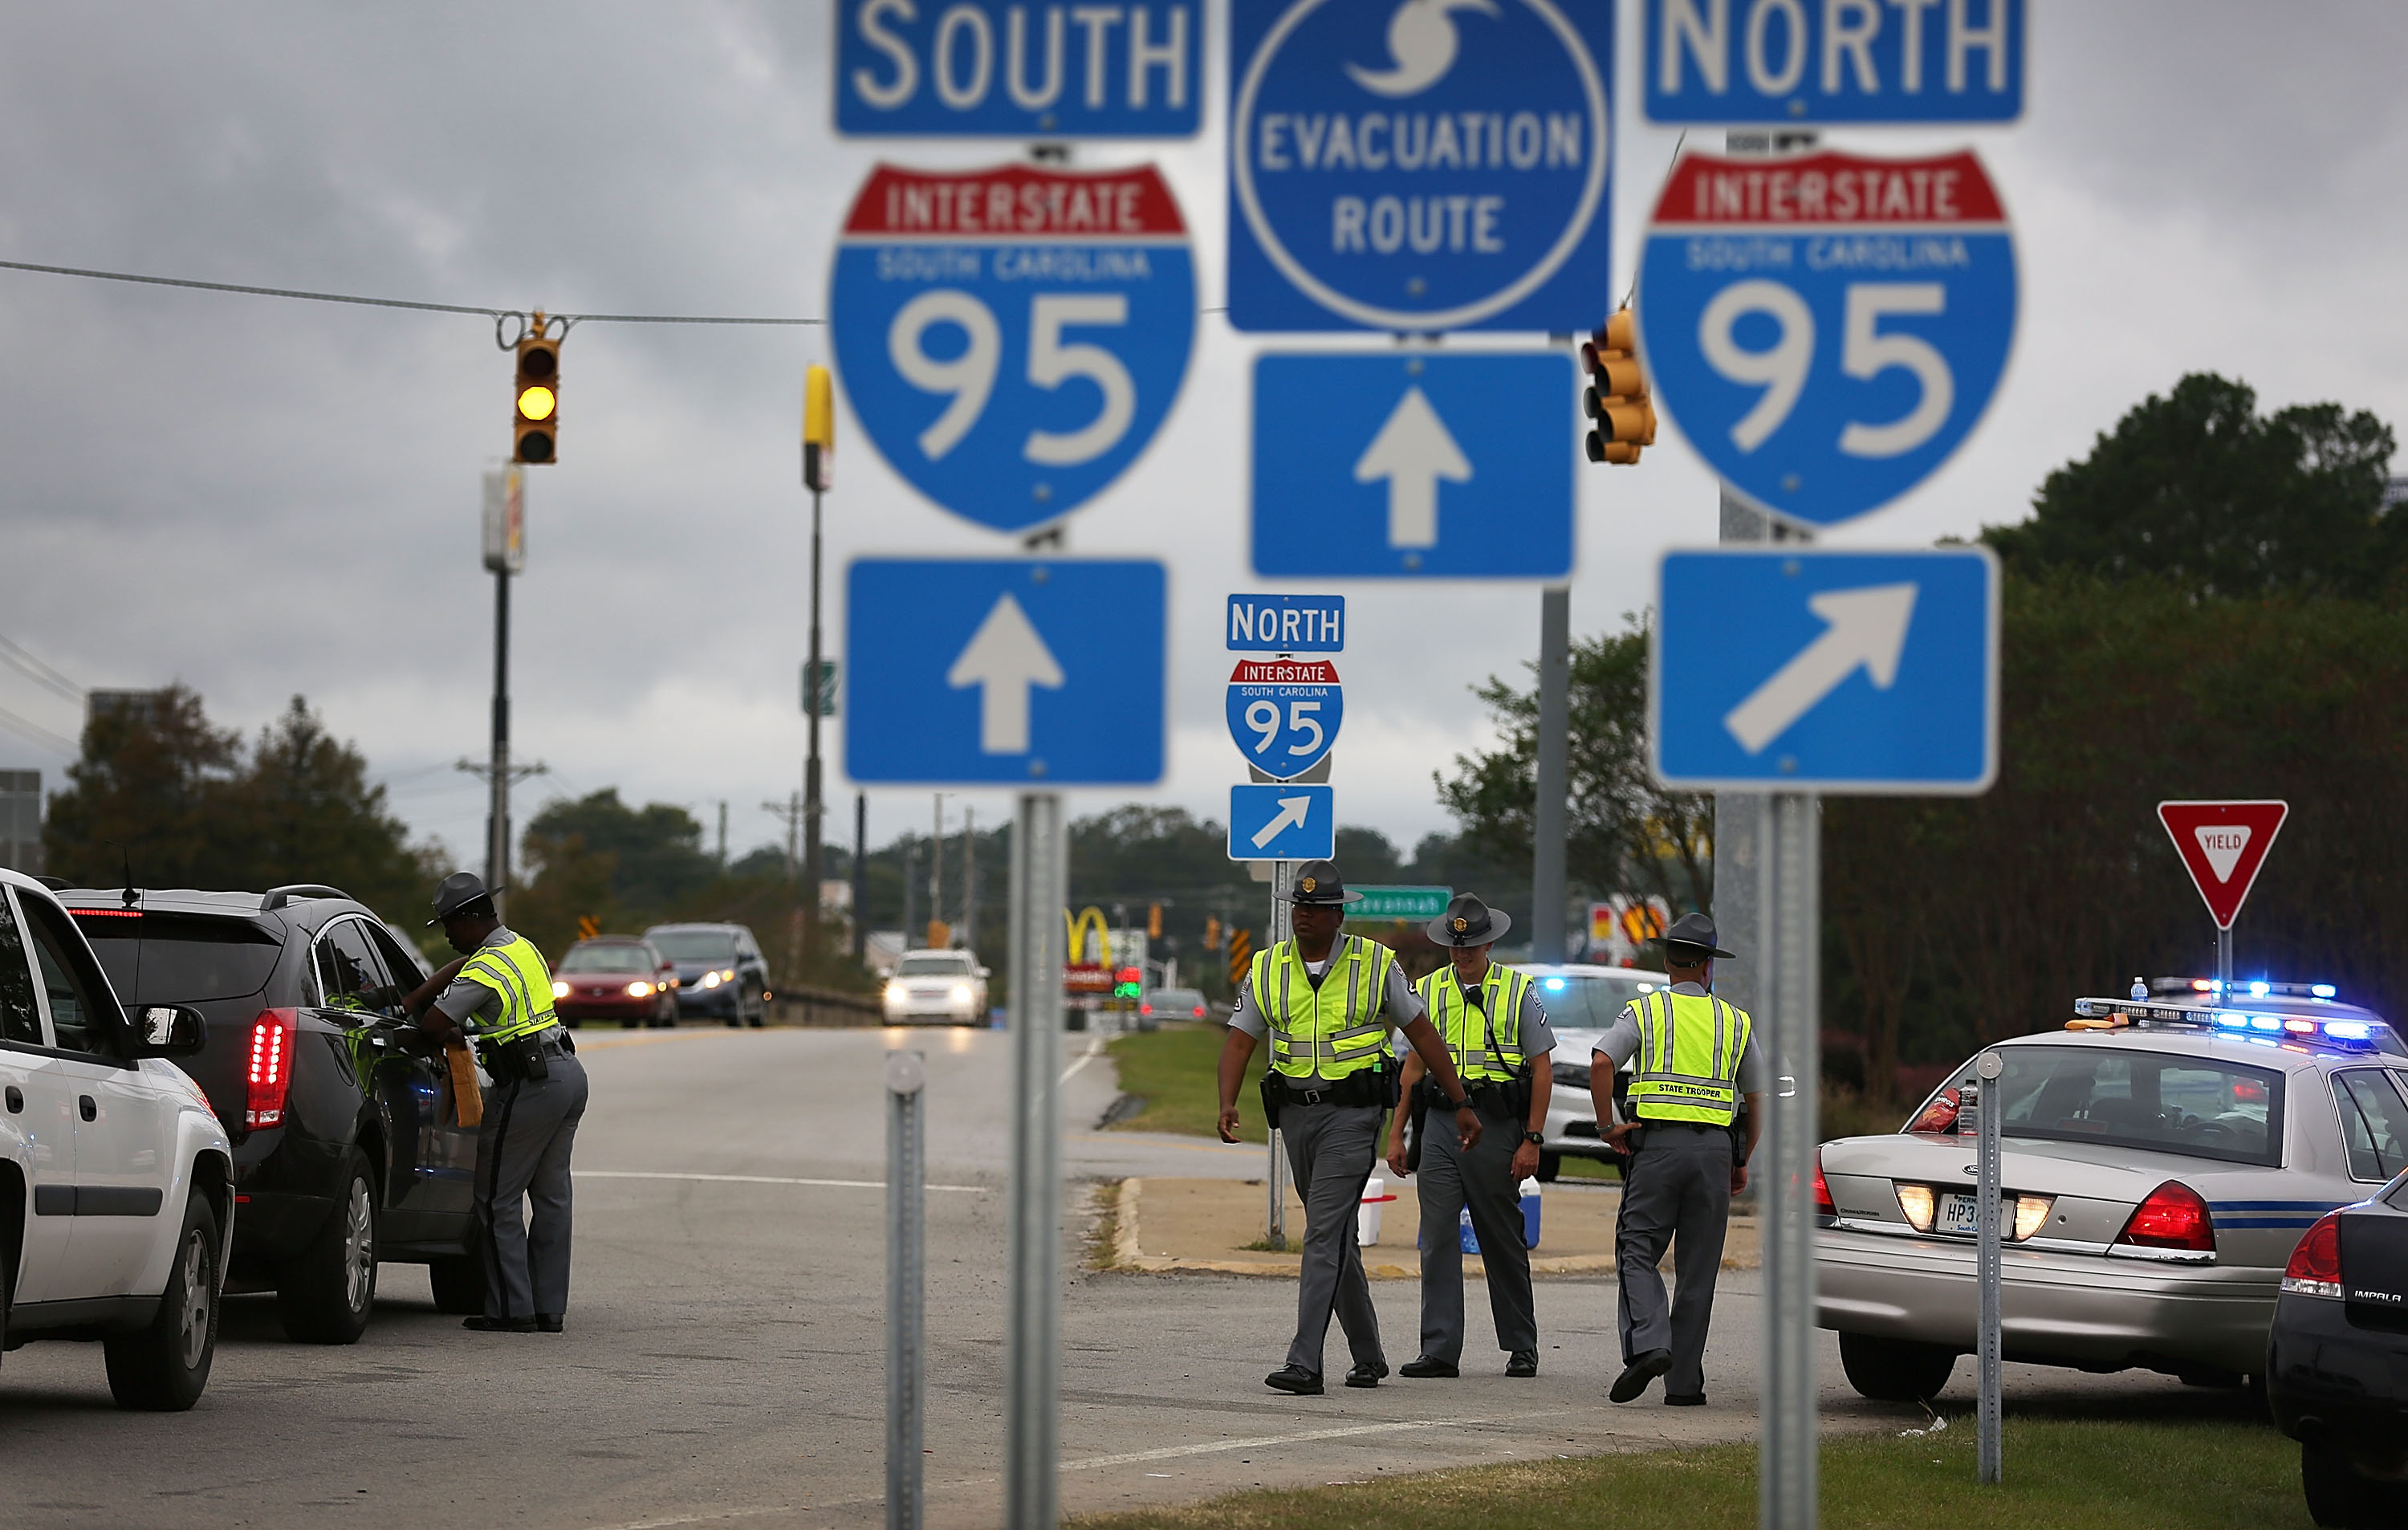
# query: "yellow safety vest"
[1335,1030]
[1487,1044]
[515,970]
[1689,1049]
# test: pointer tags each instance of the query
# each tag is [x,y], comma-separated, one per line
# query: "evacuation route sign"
[2223,844]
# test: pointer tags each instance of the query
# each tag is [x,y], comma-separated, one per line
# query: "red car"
[616,977]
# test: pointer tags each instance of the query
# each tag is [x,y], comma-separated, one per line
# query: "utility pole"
[789,812]
[969,878]
[937,865]
[819,471]
[723,834]
[504,555]
[1553,786]
[860,874]
[910,858]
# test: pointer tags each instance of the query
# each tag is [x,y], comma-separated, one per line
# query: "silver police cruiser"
[2163,1156]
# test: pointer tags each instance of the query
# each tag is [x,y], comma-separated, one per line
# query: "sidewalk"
[1205,1225]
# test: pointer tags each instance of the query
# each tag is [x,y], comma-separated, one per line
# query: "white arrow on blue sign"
[1419,165]
[1283,713]
[983,69]
[967,671]
[1423,466]
[1711,62]
[1011,338]
[1827,330]
[1283,823]
[1826,671]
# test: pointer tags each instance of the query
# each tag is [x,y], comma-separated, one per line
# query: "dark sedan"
[722,974]
[614,977]
[2337,1360]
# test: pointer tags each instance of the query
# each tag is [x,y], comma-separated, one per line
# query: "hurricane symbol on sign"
[1422,40]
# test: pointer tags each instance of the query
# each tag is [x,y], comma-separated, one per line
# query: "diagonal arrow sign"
[1291,816]
[1868,628]
[1413,452]
[1006,657]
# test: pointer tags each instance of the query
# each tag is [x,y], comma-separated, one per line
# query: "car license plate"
[1961,1214]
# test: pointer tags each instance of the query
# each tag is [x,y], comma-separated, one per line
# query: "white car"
[115,1179]
[1581,1001]
[939,987]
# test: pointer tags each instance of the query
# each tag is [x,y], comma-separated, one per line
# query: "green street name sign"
[1399,902]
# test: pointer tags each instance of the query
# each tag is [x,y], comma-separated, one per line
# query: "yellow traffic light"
[1617,397]
[1153,921]
[819,429]
[1211,932]
[535,426]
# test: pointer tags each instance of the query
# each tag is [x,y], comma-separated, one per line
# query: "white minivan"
[116,1189]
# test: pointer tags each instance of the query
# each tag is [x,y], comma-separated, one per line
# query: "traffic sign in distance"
[1712,62]
[1400,902]
[990,670]
[1827,330]
[1283,713]
[1241,954]
[1011,338]
[1422,466]
[1419,165]
[1283,823]
[1287,623]
[987,69]
[1826,671]
[2223,845]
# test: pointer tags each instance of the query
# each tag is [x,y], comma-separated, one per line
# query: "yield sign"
[2222,843]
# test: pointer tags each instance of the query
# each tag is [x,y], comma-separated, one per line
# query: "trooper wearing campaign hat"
[499,995]
[1496,1031]
[1695,1058]
[1329,1002]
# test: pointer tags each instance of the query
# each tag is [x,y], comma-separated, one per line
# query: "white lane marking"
[761,1180]
[712,1517]
[1173,1452]
[1094,1048]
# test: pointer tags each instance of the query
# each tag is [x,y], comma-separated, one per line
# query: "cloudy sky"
[262,498]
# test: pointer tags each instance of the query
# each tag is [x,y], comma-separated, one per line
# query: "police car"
[2163,1156]
[1582,1001]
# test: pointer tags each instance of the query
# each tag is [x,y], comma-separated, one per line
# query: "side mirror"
[986,972]
[169,1030]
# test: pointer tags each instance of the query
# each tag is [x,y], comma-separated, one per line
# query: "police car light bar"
[2106,1013]
[2255,989]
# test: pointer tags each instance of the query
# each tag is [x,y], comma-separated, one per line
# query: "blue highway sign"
[1419,165]
[983,671]
[988,69]
[1282,822]
[1283,713]
[1827,330]
[1711,62]
[1287,623]
[1011,338]
[1868,673]
[1413,466]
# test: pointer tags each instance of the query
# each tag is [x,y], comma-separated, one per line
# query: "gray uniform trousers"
[1331,1150]
[1679,1183]
[1450,1179]
[523,1152]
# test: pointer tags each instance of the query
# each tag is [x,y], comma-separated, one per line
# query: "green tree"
[303,811]
[146,794]
[652,856]
[2201,491]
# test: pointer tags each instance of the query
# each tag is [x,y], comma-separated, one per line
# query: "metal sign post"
[906,1174]
[1039,886]
[1990,1209]
[1275,1172]
[1788,1477]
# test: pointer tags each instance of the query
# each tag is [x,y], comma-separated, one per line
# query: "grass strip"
[1176,1071]
[2060,1474]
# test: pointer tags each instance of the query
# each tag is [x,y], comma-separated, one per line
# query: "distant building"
[2395,491]
[21,820]
[140,707]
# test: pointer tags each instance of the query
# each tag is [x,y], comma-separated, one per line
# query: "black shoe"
[546,1322]
[1423,1368]
[1644,1367]
[1521,1362]
[1690,1399]
[1295,1379]
[498,1325]
[1366,1374]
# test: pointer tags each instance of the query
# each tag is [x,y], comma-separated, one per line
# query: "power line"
[22,659]
[36,732]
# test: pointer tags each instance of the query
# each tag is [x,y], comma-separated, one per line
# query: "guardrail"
[826,1009]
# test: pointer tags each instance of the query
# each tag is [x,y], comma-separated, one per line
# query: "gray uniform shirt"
[466,997]
[1397,1001]
[1621,1040]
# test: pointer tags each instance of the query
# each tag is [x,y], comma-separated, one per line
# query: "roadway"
[724,1362]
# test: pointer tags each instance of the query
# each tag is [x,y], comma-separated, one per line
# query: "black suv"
[346,1143]
[721,971]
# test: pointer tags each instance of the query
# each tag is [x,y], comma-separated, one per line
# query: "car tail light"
[1146,1008]
[1824,1204]
[271,1069]
[2315,1269]
[1938,1116]
[2173,1217]
[1199,1012]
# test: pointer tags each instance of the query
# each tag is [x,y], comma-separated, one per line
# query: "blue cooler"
[1471,1240]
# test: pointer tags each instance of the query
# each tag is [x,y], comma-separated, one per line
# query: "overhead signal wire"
[36,732]
[24,659]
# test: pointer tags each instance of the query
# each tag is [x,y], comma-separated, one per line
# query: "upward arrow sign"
[1005,656]
[1413,452]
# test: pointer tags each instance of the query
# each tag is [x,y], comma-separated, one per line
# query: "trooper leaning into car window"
[499,993]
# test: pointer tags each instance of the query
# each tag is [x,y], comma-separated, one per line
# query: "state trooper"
[1328,1001]
[1489,1017]
[1696,1056]
[499,993]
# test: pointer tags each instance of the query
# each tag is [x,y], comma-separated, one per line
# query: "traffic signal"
[1129,984]
[535,426]
[1616,398]
[1211,932]
[1241,955]
[1153,921]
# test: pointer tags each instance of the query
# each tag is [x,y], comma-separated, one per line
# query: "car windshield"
[2200,1106]
[182,958]
[1589,1001]
[934,964]
[695,945]
[606,959]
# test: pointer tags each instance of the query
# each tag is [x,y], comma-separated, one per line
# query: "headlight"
[961,993]
[560,990]
[727,974]
[640,990]
[897,993]
[710,980]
